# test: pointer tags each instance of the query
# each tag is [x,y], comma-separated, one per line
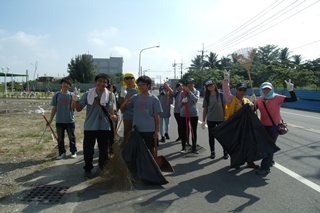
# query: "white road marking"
[297,177]
[300,115]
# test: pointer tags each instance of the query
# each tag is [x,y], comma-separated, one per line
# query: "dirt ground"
[21,150]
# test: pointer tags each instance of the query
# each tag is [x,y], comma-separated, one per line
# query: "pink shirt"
[273,106]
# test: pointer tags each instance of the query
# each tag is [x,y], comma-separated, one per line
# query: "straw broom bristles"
[116,175]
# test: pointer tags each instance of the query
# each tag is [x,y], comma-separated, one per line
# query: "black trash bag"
[244,137]
[140,161]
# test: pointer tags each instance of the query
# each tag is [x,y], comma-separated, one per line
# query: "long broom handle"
[54,134]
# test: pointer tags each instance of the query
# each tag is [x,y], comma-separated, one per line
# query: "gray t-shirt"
[166,109]
[128,112]
[144,109]
[62,102]
[95,119]
[215,107]
[193,98]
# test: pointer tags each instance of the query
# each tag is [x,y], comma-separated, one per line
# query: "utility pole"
[201,74]
[174,68]
[181,66]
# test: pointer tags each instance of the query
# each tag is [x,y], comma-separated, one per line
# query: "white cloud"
[100,38]
[120,51]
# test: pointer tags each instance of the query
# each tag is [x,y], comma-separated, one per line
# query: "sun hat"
[266,85]
[189,80]
[241,85]
[209,82]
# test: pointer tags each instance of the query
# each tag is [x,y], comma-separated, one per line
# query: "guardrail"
[307,99]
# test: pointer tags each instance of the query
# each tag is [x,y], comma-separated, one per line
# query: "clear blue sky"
[52,32]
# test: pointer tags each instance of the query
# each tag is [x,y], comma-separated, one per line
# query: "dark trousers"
[148,139]
[266,162]
[185,131]
[211,125]
[61,128]
[178,119]
[103,138]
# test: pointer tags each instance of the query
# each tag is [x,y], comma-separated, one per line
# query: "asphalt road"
[200,184]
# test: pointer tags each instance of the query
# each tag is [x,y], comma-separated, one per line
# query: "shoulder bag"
[282,127]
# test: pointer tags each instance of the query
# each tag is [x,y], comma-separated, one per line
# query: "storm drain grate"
[46,194]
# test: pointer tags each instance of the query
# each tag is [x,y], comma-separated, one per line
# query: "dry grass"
[20,132]
[22,153]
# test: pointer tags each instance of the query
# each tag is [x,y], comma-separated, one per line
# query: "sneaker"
[61,156]
[178,139]
[213,155]
[252,165]
[183,151]
[195,151]
[167,136]
[163,139]
[225,156]
[263,171]
[74,155]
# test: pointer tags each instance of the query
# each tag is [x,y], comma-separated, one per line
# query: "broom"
[115,175]
[245,57]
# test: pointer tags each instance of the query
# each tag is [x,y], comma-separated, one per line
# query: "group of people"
[150,115]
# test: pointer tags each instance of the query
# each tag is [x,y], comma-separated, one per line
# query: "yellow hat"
[129,74]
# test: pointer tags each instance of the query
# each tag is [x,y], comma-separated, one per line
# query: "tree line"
[270,63]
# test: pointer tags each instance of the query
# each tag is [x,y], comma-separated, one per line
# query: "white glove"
[253,98]
[226,75]
[184,100]
[76,94]
[203,125]
[289,85]
[123,92]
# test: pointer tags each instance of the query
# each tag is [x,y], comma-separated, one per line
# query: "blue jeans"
[164,124]
[61,128]
[266,162]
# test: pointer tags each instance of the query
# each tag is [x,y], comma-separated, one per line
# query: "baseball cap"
[241,85]
[266,85]
[189,80]
[209,82]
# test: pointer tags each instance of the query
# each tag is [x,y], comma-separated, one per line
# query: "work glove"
[203,125]
[226,75]
[76,94]
[184,100]
[123,92]
[253,98]
[289,85]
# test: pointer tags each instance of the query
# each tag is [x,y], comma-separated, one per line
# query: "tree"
[196,62]
[81,68]
[268,54]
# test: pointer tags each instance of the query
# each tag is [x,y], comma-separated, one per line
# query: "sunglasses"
[128,78]
[242,90]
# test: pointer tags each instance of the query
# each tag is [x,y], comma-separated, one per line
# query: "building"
[110,66]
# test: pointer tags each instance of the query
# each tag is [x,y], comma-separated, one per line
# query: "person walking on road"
[177,108]
[189,113]
[166,99]
[234,103]
[128,89]
[98,121]
[269,104]
[213,113]
[146,109]
[63,107]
